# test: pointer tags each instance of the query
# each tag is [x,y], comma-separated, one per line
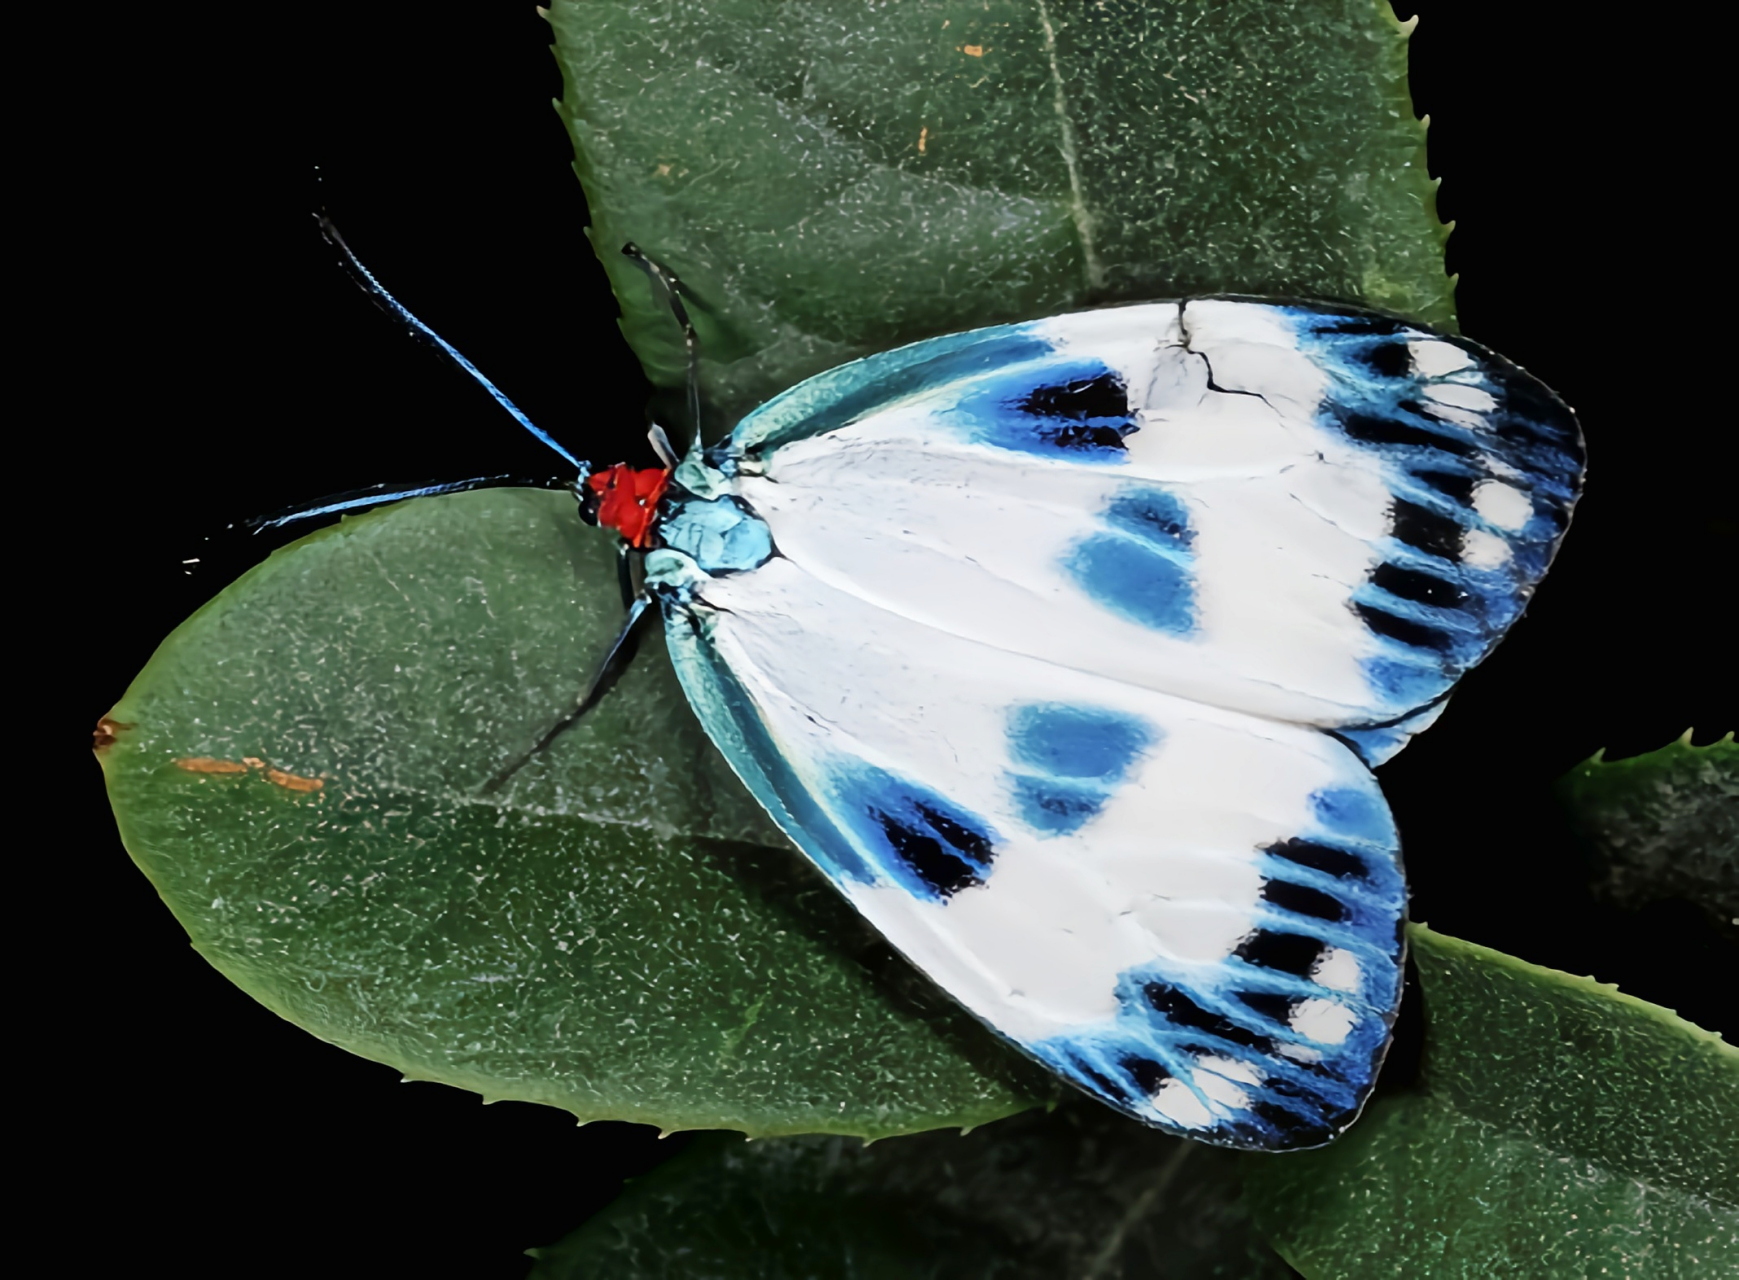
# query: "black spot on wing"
[1408,632]
[1085,415]
[1282,952]
[1426,530]
[1107,1086]
[1421,588]
[1269,1004]
[1302,900]
[1146,1073]
[933,862]
[1451,485]
[1087,437]
[1102,396]
[1387,359]
[1297,1130]
[974,844]
[1355,323]
[1325,858]
[1371,429]
[1184,1012]
[1527,406]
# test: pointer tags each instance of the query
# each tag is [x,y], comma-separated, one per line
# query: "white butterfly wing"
[1057,647]
[1317,516]
[1192,913]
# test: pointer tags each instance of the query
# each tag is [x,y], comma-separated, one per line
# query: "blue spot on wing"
[1053,807]
[1072,759]
[1077,742]
[1154,517]
[1135,582]
[1141,568]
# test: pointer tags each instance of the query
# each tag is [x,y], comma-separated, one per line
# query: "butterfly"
[1065,650]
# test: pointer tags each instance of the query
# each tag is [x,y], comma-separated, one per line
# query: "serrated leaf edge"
[1424,939]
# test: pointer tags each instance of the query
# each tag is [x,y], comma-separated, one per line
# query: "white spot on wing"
[1482,550]
[1323,1021]
[1504,505]
[1435,359]
[1463,397]
[1232,1069]
[1179,1104]
[1338,970]
[1210,1078]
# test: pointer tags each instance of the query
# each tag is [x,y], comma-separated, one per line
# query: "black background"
[204,360]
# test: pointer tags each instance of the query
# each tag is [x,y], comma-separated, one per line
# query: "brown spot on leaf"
[972,50]
[205,764]
[107,733]
[277,777]
[293,781]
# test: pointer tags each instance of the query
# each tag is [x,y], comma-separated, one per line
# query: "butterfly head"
[625,499]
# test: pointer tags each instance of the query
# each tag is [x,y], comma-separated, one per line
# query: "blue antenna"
[402,314]
[379,495]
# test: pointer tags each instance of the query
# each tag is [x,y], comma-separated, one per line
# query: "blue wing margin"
[1485,464]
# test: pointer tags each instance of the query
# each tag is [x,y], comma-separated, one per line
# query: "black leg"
[616,661]
[625,574]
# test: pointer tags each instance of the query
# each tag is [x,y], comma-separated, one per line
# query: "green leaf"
[832,178]
[1558,1128]
[1662,825]
[1079,1193]
[621,931]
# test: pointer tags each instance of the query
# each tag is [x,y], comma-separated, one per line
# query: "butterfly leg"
[625,574]
[621,653]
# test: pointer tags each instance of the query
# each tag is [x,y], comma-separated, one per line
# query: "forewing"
[1309,514]
[1191,913]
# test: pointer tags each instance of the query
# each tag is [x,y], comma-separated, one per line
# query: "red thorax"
[629,502]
